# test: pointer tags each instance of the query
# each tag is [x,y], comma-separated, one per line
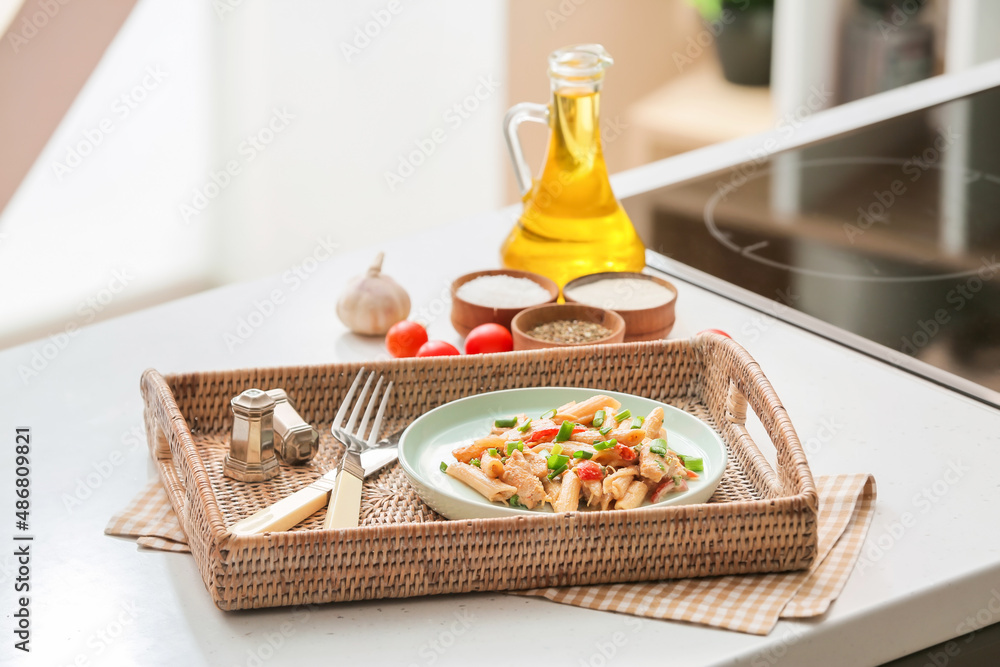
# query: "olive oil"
[572,223]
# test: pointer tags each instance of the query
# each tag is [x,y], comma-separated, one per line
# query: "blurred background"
[154,149]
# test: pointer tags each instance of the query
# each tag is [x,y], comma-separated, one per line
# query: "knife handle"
[345,499]
[288,511]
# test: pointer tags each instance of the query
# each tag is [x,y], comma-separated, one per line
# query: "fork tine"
[346,403]
[368,410]
[357,406]
[373,438]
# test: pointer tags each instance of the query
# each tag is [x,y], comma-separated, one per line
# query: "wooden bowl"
[467,316]
[640,324]
[530,318]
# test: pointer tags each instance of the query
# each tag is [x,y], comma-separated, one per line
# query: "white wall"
[98,198]
[321,176]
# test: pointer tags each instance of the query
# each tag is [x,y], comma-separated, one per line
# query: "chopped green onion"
[581,454]
[549,415]
[523,428]
[506,422]
[511,446]
[476,462]
[637,422]
[658,446]
[558,460]
[598,419]
[558,471]
[693,463]
[493,452]
[606,429]
[444,466]
[565,431]
[623,415]
[515,501]
[662,467]
[607,444]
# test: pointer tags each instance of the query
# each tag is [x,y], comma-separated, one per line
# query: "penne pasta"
[561,458]
[634,496]
[654,423]
[491,489]
[475,449]
[583,413]
[617,483]
[569,494]
[491,465]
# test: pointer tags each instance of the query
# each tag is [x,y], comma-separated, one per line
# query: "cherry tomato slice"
[625,453]
[588,470]
[540,431]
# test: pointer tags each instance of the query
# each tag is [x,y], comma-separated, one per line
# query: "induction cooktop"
[885,238]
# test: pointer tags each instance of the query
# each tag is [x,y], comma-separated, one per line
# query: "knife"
[297,507]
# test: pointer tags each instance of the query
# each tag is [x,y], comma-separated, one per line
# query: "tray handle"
[747,385]
[169,439]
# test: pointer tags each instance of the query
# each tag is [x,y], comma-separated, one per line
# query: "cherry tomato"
[716,331]
[545,430]
[405,338]
[626,453]
[436,348]
[487,338]
[588,470]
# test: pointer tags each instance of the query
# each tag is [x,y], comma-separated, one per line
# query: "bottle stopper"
[251,453]
[294,439]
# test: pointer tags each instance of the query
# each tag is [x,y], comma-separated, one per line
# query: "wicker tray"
[759,520]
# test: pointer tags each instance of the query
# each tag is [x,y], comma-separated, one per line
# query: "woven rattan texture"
[763,520]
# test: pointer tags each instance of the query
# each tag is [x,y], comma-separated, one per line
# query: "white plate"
[430,439]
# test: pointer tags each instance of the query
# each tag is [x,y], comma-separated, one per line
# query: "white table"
[97,600]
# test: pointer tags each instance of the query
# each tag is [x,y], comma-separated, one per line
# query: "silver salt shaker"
[296,441]
[251,454]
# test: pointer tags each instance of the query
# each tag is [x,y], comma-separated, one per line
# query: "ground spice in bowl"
[569,332]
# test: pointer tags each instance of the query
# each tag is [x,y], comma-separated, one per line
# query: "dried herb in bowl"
[569,331]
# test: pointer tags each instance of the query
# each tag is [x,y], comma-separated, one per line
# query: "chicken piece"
[491,465]
[538,464]
[492,489]
[517,472]
[583,413]
[652,466]
[475,450]
[634,496]
[617,483]
[569,493]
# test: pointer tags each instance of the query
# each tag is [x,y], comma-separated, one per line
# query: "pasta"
[592,452]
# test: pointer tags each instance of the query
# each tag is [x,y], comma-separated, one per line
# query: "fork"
[345,498]
[293,509]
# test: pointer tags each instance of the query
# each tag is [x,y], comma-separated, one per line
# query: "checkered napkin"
[750,603]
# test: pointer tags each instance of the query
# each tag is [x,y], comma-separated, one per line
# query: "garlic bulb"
[373,302]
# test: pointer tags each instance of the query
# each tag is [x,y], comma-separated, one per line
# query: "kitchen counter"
[930,569]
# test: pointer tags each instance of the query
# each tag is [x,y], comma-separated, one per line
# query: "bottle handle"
[516,115]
